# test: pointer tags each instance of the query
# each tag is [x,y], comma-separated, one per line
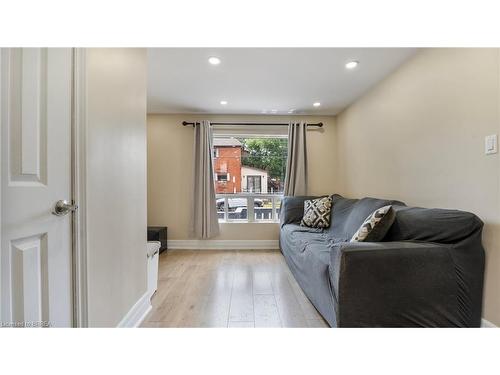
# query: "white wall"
[116,182]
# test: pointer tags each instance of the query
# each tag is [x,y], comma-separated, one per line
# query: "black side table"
[158,234]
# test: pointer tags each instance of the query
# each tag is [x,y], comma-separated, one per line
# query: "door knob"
[63,207]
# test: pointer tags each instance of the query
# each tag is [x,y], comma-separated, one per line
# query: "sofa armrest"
[292,209]
[396,284]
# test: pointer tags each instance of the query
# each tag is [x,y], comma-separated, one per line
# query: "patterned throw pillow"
[317,213]
[375,226]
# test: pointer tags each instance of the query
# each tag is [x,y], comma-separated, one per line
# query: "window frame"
[250,197]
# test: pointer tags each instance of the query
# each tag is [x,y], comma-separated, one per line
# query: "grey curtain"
[204,221]
[296,164]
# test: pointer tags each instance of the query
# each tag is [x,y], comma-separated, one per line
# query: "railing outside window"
[248,207]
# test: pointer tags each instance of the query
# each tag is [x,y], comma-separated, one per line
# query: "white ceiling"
[180,80]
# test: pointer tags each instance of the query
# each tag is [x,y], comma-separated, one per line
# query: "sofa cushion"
[432,225]
[349,214]
[307,253]
[317,213]
[292,209]
[375,226]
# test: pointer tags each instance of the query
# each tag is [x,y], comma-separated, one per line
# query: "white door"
[35,110]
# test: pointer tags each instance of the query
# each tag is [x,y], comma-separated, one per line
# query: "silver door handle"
[63,207]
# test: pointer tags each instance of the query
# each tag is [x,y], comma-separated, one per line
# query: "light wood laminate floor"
[212,288]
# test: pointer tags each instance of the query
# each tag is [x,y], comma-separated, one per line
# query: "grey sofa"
[427,271]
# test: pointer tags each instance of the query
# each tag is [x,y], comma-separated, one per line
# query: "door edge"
[79,179]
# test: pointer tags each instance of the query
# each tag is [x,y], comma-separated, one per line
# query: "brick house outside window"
[227,165]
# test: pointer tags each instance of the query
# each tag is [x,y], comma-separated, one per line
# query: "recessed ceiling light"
[274,110]
[291,111]
[264,111]
[317,104]
[352,64]
[223,102]
[214,60]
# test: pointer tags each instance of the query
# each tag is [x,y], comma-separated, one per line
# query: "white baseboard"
[487,324]
[223,244]
[137,313]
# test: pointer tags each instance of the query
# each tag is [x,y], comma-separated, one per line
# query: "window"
[250,175]
[253,184]
[221,176]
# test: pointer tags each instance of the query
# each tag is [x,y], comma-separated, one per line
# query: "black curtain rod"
[185,123]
